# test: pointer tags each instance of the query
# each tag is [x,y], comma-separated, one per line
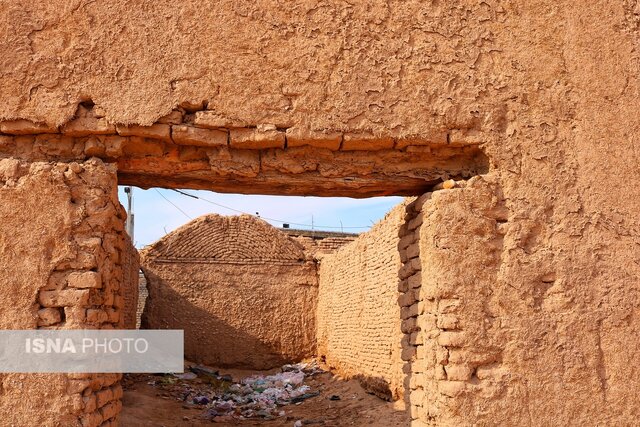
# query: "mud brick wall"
[544,92]
[412,304]
[143,293]
[490,341]
[197,148]
[456,362]
[131,289]
[444,317]
[244,292]
[358,313]
[323,245]
[331,244]
[65,222]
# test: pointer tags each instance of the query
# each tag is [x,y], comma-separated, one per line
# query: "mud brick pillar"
[450,247]
[62,248]
[412,306]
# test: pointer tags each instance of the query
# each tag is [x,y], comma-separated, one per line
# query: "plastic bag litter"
[186,376]
[257,396]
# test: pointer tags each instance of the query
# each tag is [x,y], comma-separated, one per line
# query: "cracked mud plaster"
[550,87]
[62,254]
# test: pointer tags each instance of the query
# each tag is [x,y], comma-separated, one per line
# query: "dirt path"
[157,405]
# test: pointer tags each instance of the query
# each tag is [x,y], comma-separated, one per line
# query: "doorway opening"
[253,294]
[188,150]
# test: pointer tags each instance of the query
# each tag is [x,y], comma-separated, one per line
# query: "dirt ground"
[149,404]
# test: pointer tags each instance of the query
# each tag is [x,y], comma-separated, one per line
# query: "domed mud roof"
[226,239]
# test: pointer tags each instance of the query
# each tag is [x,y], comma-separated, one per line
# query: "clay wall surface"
[318,242]
[547,90]
[130,287]
[244,292]
[413,309]
[192,148]
[143,293]
[491,340]
[358,313]
[331,244]
[64,222]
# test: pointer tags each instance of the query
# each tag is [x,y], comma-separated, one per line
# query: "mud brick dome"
[244,292]
[240,239]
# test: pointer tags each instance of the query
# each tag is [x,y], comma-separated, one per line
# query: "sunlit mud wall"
[547,290]
[358,313]
[244,292]
[62,244]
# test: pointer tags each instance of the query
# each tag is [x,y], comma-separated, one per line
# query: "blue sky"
[155,216]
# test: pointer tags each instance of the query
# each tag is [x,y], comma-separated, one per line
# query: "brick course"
[206,150]
[359,325]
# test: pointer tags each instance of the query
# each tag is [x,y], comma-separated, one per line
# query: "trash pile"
[253,397]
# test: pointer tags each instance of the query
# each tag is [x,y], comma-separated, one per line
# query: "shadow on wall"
[359,330]
[208,339]
[377,386]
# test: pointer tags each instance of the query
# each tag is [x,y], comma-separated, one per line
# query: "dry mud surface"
[148,405]
[536,264]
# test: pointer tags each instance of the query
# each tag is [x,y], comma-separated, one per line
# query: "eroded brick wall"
[244,292]
[446,319]
[358,313]
[62,244]
[131,290]
[549,88]
[143,293]
[325,245]
[515,343]
[412,305]
[440,310]
[197,148]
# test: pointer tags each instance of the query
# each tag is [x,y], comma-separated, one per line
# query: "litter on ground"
[256,396]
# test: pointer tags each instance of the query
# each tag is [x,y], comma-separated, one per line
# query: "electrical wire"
[263,217]
[174,205]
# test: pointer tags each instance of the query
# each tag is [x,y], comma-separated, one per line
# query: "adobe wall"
[192,147]
[130,287]
[546,89]
[473,340]
[143,293]
[321,245]
[358,314]
[62,244]
[244,292]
